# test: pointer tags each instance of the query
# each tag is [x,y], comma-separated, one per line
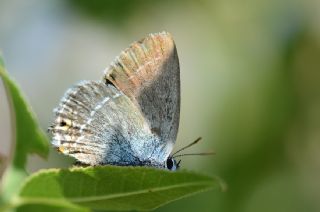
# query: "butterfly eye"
[171,164]
[63,123]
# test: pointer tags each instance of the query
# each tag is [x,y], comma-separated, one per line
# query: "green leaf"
[111,187]
[46,208]
[28,137]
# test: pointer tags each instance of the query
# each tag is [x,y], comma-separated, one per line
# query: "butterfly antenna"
[189,145]
[202,153]
[178,164]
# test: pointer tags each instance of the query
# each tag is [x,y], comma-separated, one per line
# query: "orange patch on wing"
[61,149]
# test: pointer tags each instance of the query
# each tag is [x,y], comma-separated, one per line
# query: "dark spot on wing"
[108,82]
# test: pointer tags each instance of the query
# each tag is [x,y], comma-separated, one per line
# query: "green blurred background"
[250,73]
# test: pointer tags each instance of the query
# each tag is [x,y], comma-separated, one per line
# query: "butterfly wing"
[132,117]
[97,124]
[148,73]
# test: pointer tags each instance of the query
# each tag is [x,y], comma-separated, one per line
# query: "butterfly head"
[171,164]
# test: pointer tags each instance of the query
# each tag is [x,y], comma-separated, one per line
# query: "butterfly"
[131,116]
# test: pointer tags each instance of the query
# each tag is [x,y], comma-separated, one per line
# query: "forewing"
[97,124]
[148,73]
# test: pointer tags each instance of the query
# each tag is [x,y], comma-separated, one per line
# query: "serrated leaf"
[112,188]
[28,137]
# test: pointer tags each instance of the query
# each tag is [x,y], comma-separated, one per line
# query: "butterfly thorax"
[147,151]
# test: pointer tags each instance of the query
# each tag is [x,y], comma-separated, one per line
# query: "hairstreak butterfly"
[131,116]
